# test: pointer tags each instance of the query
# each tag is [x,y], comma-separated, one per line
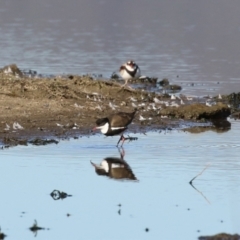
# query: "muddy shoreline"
[38,110]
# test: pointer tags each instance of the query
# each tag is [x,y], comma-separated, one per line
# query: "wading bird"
[115,124]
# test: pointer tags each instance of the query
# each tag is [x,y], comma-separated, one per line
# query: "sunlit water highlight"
[162,200]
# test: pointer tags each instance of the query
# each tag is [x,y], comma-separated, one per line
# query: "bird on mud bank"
[116,124]
[129,70]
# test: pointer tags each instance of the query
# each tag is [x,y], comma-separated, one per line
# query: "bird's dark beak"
[93,164]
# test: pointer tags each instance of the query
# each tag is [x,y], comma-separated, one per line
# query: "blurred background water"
[188,42]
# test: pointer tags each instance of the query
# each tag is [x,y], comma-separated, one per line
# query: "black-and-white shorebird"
[129,70]
[114,167]
[115,124]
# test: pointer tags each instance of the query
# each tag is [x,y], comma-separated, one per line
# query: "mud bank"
[35,109]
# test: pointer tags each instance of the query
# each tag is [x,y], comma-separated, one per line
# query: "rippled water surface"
[192,43]
[162,200]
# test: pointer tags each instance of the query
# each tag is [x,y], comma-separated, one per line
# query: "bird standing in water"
[129,70]
[115,124]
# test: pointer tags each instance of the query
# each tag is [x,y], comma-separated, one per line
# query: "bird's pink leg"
[126,85]
[126,82]
[122,152]
[122,138]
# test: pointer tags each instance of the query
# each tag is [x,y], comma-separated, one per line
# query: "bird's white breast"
[104,128]
[105,166]
[125,75]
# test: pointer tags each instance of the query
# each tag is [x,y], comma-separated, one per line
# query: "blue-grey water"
[162,199]
[188,42]
[192,43]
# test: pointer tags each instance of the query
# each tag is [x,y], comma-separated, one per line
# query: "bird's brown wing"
[121,119]
[122,68]
[124,171]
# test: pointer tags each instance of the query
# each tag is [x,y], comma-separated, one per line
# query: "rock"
[236,115]
[145,79]
[169,87]
[234,99]
[164,82]
[40,142]
[173,87]
[221,236]
[2,235]
[115,76]
[13,70]
[197,111]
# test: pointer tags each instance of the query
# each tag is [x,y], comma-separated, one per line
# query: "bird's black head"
[101,121]
[131,63]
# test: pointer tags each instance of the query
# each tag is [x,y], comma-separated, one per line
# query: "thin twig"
[195,187]
[200,173]
[200,193]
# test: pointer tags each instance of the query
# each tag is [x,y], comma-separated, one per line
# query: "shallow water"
[194,44]
[162,199]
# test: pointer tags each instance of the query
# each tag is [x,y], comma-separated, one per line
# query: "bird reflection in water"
[114,167]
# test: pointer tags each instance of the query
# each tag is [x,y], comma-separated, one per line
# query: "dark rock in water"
[39,142]
[29,72]
[169,87]
[173,87]
[115,76]
[56,195]
[234,99]
[164,82]
[236,115]
[221,124]
[14,141]
[2,235]
[197,111]
[12,69]
[221,236]
[201,129]
[145,79]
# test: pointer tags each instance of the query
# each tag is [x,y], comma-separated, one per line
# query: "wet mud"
[221,236]
[41,110]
